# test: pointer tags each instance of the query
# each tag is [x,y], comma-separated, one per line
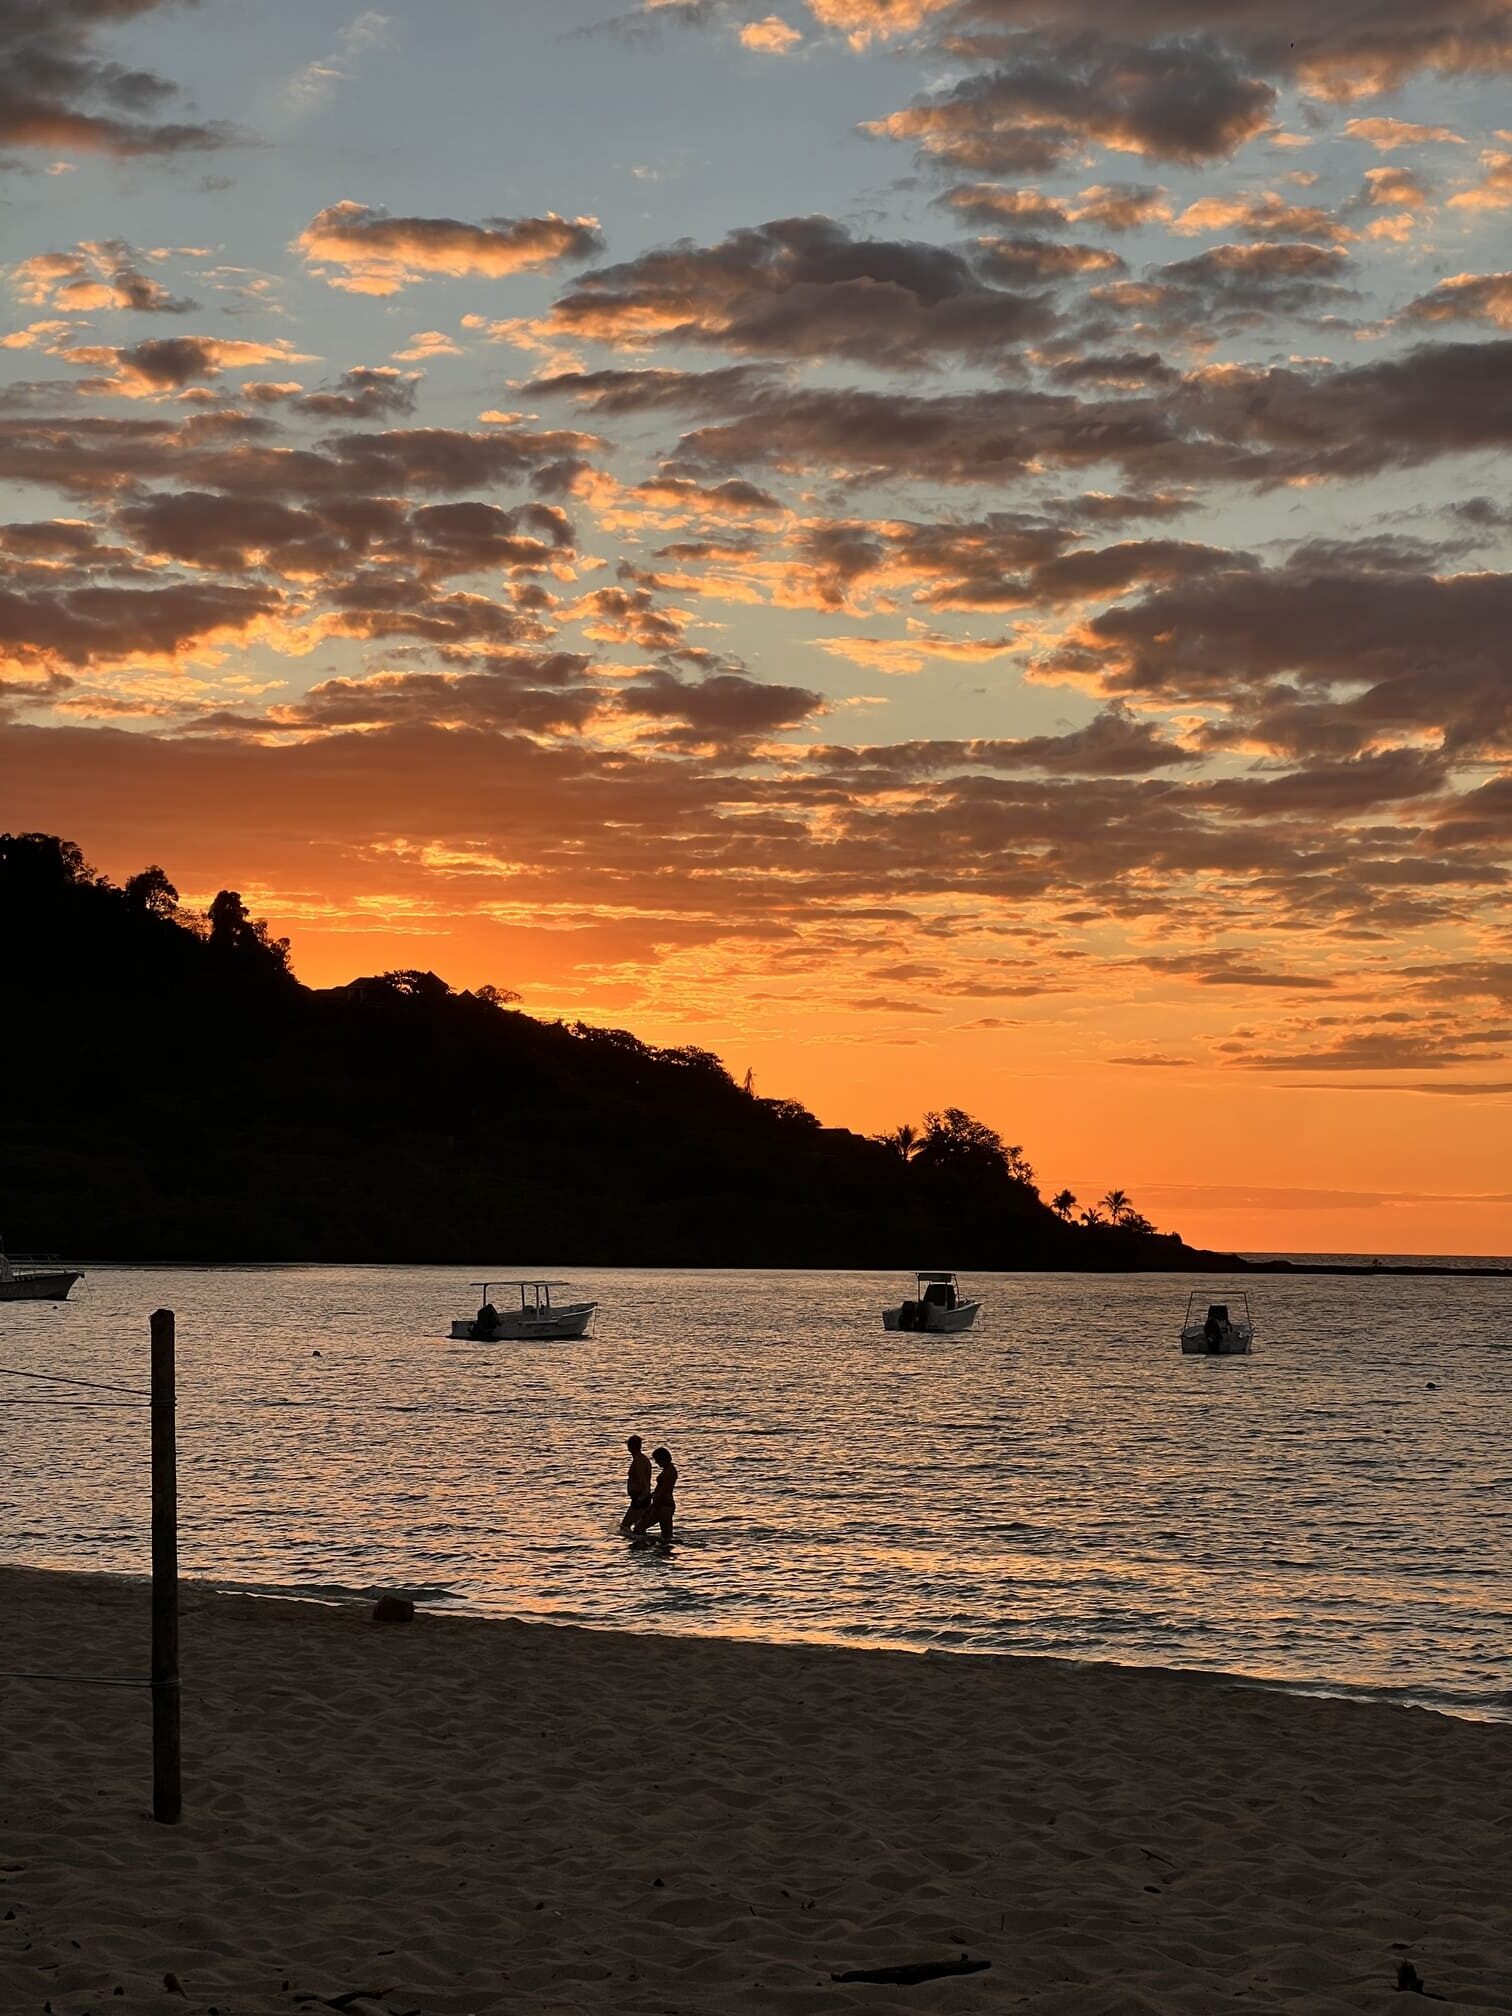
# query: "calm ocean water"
[1332,1512]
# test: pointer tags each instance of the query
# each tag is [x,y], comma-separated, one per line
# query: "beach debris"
[392,1609]
[1410,1982]
[911,1973]
[174,1986]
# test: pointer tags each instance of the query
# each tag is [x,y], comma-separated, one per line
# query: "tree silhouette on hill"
[235,934]
[397,1118]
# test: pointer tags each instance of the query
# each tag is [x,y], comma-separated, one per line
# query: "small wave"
[1475,1702]
[343,1592]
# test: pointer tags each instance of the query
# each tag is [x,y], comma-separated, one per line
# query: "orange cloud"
[1467,297]
[1395,188]
[365,251]
[770,37]
[164,364]
[34,335]
[1385,135]
[429,343]
[1494,190]
[863,22]
[1265,216]
[100,273]
[1120,206]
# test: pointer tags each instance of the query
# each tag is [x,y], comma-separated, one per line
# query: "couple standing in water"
[650,1504]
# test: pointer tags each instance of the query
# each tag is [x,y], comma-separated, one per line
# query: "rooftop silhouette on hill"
[175,1093]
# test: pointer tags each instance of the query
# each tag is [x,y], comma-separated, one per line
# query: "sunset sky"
[950,551]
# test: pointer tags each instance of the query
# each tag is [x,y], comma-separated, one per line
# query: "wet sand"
[467,1817]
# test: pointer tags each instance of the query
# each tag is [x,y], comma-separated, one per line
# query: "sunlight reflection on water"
[1061,1481]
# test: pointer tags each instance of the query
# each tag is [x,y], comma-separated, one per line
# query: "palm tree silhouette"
[1116,1204]
[902,1141]
[1063,1203]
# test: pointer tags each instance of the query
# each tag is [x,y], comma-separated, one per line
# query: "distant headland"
[175,1094]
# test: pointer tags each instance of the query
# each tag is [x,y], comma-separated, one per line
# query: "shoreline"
[1453,1706]
[478,1816]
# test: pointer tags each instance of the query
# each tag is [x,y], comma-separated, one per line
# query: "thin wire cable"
[80,1679]
[126,1406]
[62,1379]
[210,1402]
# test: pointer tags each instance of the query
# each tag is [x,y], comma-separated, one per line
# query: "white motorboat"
[938,1307]
[1217,1329]
[537,1320]
[28,1280]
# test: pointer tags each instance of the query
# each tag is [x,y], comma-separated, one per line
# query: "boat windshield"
[1228,1307]
[942,1290]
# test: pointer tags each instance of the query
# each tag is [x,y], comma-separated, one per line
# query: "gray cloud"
[1246,424]
[805,287]
[1234,287]
[58,91]
[1051,94]
[1347,51]
[365,392]
[1321,657]
[725,707]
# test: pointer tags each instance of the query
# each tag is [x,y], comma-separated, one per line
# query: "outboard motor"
[911,1316]
[487,1321]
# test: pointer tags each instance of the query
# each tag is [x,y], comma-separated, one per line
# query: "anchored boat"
[937,1307]
[1217,1329]
[29,1279]
[537,1319]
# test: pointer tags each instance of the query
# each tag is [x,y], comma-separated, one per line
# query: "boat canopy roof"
[928,1274]
[498,1281]
[1229,1300]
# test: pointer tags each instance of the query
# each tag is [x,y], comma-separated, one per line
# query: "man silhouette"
[637,1483]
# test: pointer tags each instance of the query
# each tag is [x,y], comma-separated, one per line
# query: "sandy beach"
[463,1816]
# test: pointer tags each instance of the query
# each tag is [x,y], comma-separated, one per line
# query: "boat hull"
[930,1320]
[38,1287]
[1235,1344]
[572,1320]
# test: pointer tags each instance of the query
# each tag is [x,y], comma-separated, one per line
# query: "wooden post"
[167,1792]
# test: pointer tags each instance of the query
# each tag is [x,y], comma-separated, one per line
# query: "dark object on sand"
[916,1971]
[1410,1982]
[393,1609]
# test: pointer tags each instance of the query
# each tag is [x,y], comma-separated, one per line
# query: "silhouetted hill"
[173,1093]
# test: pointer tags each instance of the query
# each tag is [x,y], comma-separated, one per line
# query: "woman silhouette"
[663,1504]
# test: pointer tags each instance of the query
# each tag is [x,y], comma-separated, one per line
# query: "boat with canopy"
[536,1319]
